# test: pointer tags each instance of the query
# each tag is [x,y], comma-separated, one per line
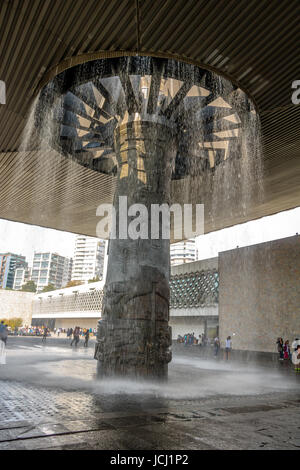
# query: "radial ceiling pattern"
[201,110]
[251,43]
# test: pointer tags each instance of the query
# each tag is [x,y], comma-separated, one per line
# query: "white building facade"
[51,268]
[183,252]
[66,308]
[22,276]
[88,258]
[193,302]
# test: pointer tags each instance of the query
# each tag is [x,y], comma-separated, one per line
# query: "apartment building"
[9,262]
[88,258]
[51,268]
[183,252]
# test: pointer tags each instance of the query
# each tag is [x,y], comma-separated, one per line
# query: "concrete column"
[133,335]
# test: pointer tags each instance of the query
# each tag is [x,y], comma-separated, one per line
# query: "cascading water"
[122,117]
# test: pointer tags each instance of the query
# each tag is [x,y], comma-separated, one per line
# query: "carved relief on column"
[133,334]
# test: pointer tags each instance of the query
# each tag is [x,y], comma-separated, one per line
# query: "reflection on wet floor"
[52,394]
[189,378]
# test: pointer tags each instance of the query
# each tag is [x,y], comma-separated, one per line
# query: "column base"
[134,341]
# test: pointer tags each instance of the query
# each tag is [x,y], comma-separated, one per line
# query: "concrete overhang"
[251,43]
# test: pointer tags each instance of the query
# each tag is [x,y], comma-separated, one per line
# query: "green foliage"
[95,279]
[13,322]
[30,286]
[49,288]
[74,283]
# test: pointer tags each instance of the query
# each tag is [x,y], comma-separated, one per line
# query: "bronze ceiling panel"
[254,43]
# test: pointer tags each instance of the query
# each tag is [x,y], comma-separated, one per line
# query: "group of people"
[29,331]
[290,353]
[76,333]
[71,333]
[191,339]
[204,342]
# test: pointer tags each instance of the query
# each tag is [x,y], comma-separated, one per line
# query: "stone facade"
[16,304]
[260,294]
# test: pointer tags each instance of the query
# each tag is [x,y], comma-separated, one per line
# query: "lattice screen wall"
[91,301]
[198,289]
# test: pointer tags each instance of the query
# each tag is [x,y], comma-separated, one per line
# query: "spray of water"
[227,178]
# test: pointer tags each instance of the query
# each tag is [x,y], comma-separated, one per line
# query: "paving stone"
[39,414]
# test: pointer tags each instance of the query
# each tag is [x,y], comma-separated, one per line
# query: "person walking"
[216,346]
[296,359]
[4,333]
[86,338]
[228,347]
[45,335]
[3,338]
[75,336]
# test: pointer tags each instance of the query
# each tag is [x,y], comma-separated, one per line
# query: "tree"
[30,286]
[74,283]
[95,279]
[48,288]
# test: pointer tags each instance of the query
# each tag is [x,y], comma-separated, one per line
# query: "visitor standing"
[295,344]
[216,346]
[86,339]
[296,359]
[228,347]
[286,350]
[279,343]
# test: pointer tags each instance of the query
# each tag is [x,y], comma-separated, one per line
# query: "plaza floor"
[50,399]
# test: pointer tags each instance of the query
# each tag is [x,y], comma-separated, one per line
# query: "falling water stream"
[215,125]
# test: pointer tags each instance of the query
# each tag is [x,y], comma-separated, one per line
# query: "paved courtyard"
[50,399]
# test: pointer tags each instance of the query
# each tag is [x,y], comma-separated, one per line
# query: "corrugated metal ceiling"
[254,43]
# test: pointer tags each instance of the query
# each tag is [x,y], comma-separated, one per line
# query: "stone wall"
[259,294]
[16,304]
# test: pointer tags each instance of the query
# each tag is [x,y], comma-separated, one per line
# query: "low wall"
[16,304]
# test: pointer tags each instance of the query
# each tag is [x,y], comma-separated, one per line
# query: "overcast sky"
[281,225]
[25,239]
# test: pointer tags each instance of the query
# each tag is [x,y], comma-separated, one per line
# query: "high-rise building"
[183,252]
[88,258]
[51,268]
[22,275]
[9,262]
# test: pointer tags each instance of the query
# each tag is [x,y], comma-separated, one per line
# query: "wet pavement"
[50,399]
